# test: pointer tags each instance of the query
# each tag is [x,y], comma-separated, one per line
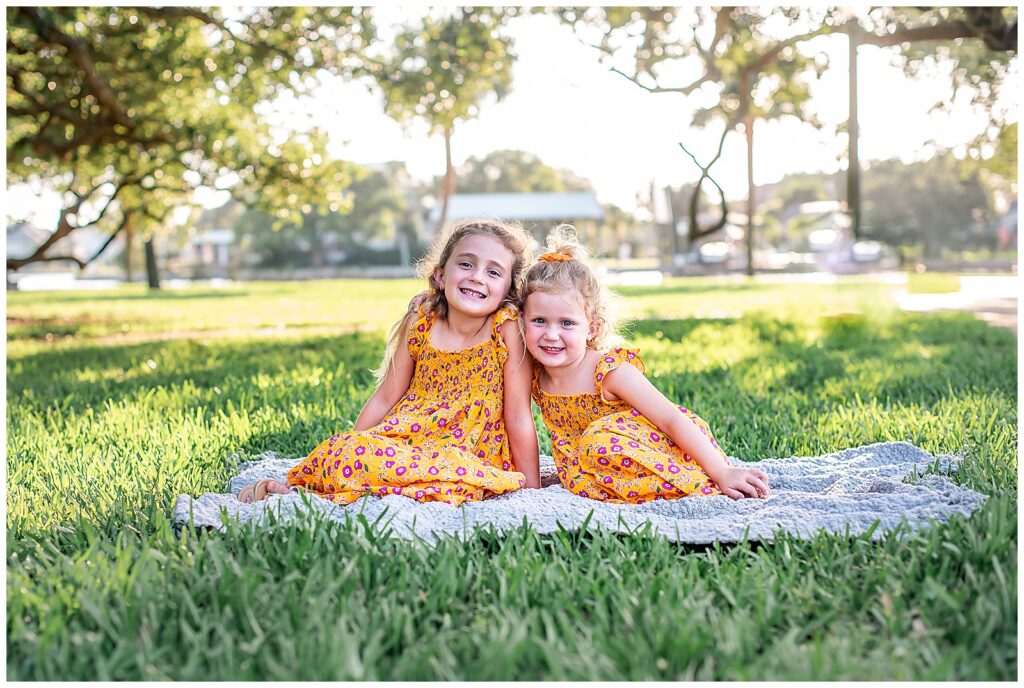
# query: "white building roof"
[576,205]
[217,237]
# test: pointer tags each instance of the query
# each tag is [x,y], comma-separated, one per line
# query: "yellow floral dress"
[610,452]
[443,441]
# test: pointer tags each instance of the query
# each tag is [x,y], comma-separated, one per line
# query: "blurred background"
[168,145]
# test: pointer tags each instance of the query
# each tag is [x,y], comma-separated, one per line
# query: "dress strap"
[535,385]
[506,314]
[419,332]
[612,359]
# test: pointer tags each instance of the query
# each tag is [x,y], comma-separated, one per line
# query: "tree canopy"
[515,171]
[738,62]
[125,111]
[442,70]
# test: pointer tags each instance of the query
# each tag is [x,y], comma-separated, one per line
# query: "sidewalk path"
[991,298]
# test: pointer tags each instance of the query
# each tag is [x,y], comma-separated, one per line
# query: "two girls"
[450,420]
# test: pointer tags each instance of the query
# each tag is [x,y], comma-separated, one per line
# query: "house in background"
[537,212]
[211,253]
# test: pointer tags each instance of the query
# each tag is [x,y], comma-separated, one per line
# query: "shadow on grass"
[229,370]
[173,295]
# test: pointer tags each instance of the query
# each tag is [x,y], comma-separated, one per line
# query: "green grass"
[104,431]
[932,283]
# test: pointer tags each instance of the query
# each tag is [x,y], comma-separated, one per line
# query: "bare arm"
[522,435]
[390,390]
[630,385]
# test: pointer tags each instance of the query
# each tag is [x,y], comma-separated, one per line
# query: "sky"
[574,113]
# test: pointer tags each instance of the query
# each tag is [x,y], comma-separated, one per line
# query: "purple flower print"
[414,465]
[396,490]
[390,453]
[707,490]
[655,437]
[460,471]
[378,453]
[337,464]
[357,464]
[420,494]
[659,466]
[360,451]
[307,470]
[602,450]
[415,427]
[433,470]
[608,480]
[667,486]
[673,468]
[627,462]
[480,453]
[632,493]
[458,433]
[441,423]
[401,470]
[609,359]
[505,465]
[389,464]
[315,462]
[479,474]
[346,471]
[603,461]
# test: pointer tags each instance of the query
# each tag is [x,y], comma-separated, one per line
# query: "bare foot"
[261,489]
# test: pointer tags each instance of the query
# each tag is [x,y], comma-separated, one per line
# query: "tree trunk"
[853,169]
[448,185]
[749,126]
[129,242]
[152,274]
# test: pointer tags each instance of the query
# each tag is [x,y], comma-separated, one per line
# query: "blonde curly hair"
[566,269]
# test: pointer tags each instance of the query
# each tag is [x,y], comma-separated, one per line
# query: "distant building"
[538,212]
[211,253]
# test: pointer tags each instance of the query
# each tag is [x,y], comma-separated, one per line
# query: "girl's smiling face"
[557,329]
[477,276]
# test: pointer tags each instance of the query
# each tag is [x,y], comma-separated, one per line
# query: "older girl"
[450,420]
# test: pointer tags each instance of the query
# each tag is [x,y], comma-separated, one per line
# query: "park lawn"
[104,431]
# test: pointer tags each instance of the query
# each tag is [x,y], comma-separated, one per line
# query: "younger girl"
[450,420]
[614,436]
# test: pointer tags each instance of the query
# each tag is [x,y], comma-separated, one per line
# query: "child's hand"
[739,483]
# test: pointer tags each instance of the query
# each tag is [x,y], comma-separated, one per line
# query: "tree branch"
[938,32]
[80,54]
[125,219]
[14,264]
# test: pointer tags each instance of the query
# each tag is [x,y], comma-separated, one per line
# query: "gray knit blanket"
[873,489]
